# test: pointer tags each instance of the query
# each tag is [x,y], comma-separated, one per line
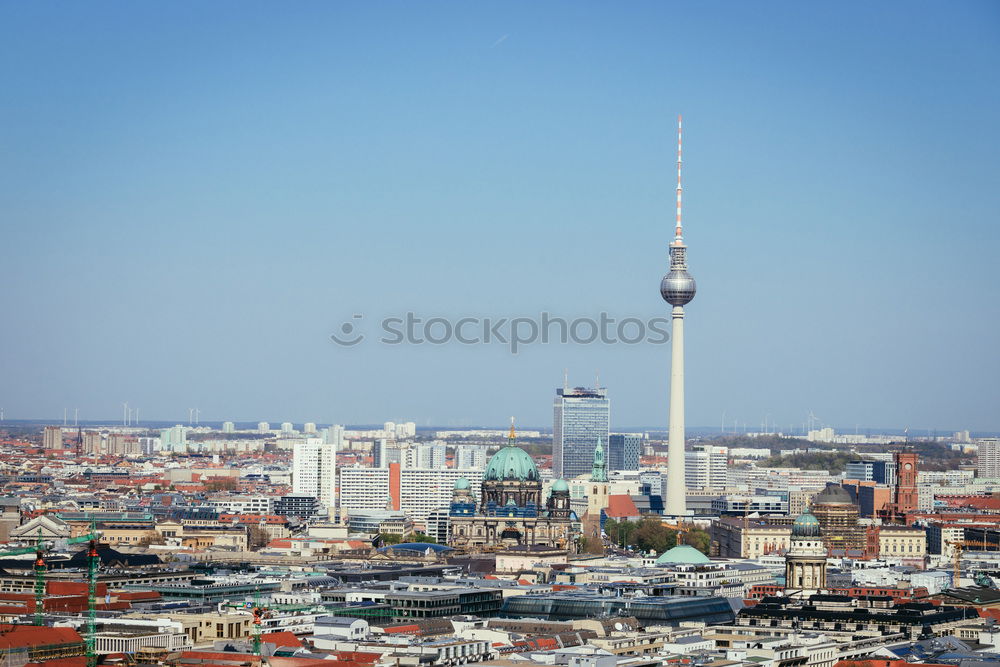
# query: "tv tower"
[677,288]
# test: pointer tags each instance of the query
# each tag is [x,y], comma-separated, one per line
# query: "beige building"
[902,542]
[205,628]
[203,537]
[734,537]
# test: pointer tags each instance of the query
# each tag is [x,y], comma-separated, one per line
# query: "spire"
[600,470]
[678,233]
[511,436]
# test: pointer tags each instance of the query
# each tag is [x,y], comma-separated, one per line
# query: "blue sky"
[194,196]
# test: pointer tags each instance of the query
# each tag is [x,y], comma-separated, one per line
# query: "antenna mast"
[678,234]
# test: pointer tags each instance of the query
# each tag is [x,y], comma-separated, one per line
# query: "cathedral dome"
[560,485]
[461,484]
[807,525]
[833,494]
[511,463]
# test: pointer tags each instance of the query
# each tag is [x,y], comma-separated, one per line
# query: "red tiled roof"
[17,636]
[60,662]
[357,656]
[282,638]
[402,629]
[621,506]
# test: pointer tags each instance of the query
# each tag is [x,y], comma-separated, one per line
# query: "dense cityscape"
[294,544]
[219,204]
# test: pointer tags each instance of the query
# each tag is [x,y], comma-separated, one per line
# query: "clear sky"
[195,195]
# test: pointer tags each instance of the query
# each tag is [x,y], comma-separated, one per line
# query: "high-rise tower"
[579,417]
[677,288]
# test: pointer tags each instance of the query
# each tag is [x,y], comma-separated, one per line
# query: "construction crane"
[958,547]
[259,614]
[40,548]
[91,640]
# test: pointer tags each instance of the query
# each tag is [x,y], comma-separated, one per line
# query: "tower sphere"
[677,287]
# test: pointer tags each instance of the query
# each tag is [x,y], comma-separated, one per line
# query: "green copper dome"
[807,525]
[682,553]
[560,485]
[511,463]
[461,484]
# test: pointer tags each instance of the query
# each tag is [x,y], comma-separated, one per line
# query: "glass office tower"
[580,417]
[624,450]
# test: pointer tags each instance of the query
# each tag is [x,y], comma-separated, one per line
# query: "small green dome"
[682,553]
[511,463]
[461,484]
[807,525]
[560,485]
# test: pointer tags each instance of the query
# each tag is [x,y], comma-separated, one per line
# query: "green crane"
[93,561]
[259,613]
[40,548]
[39,581]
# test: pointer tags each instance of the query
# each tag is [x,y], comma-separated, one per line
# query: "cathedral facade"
[511,511]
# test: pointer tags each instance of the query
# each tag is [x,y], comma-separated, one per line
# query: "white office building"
[239,504]
[989,457]
[421,491]
[430,455]
[706,467]
[470,456]
[174,439]
[263,427]
[314,470]
[335,436]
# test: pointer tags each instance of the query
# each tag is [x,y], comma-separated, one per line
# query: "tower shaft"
[677,288]
[676,503]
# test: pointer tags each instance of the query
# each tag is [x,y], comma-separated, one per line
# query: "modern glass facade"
[649,610]
[580,417]
[623,451]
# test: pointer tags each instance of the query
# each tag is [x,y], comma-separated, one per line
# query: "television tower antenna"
[678,289]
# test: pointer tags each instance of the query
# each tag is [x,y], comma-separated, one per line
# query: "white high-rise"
[314,470]
[428,455]
[335,436]
[420,491]
[228,427]
[989,457]
[677,288]
[470,456]
[706,467]
[263,427]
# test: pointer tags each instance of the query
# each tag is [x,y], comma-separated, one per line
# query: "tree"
[699,539]
[221,484]
[390,538]
[620,532]
[651,535]
[257,537]
[422,537]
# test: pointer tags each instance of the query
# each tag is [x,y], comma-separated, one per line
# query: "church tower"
[805,562]
[597,492]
